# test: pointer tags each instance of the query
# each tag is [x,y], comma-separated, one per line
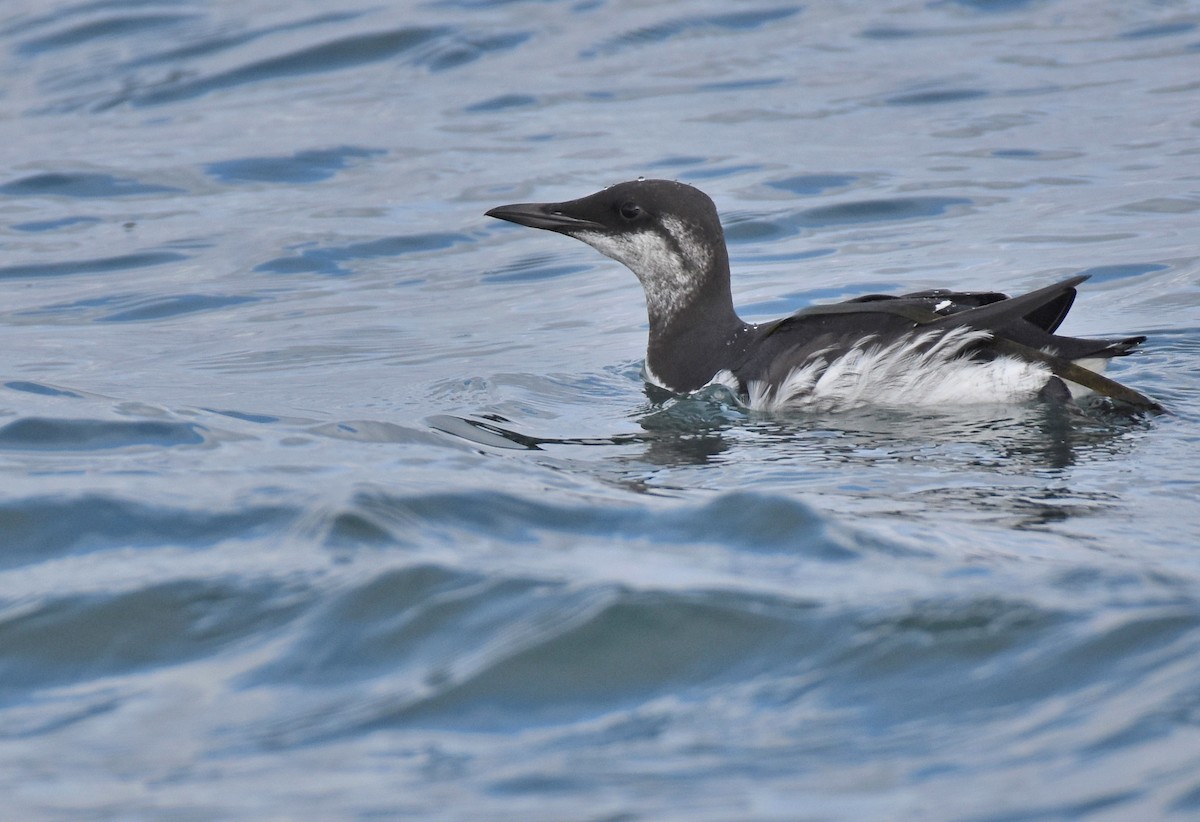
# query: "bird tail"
[1078,374]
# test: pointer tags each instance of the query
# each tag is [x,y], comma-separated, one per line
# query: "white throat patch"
[670,276]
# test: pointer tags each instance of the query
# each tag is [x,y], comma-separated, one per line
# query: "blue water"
[325,497]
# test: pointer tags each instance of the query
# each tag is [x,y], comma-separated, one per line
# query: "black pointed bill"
[549,216]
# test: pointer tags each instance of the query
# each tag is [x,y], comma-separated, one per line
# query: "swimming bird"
[925,348]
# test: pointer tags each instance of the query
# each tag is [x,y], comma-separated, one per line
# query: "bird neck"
[688,346]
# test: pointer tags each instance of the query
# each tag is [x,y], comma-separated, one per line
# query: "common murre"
[925,348]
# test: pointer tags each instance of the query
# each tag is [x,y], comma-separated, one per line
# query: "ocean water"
[325,497]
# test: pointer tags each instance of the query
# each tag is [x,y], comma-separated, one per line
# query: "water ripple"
[39,528]
[81,638]
[328,260]
[1159,30]
[744,20]
[850,213]
[67,435]
[101,265]
[131,25]
[39,388]
[54,225]
[436,48]
[871,211]
[810,184]
[523,651]
[936,97]
[82,185]
[756,523]
[311,166]
[161,308]
[212,43]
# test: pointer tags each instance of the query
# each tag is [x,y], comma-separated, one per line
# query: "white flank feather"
[1095,364]
[924,369]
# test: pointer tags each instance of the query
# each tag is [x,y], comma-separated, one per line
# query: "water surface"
[326,497]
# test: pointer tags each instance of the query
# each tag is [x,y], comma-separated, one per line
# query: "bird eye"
[631,211]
